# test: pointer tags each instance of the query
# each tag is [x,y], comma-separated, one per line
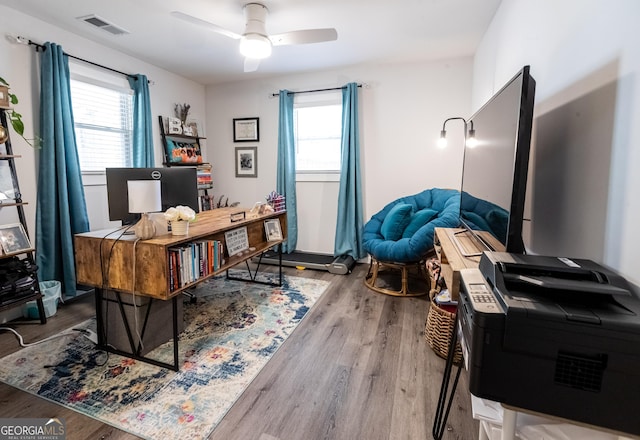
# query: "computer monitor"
[179,186]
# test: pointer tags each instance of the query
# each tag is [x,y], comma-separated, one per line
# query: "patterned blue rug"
[231,333]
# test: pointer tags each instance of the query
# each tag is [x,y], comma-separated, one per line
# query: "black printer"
[553,335]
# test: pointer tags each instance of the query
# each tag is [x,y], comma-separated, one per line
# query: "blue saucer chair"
[400,236]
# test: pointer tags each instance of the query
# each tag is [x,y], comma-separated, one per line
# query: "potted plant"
[180,216]
[14,116]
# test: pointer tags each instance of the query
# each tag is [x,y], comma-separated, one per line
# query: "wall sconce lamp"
[469,136]
[145,196]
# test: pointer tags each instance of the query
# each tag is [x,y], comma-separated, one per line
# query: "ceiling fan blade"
[251,64]
[207,24]
[306,36]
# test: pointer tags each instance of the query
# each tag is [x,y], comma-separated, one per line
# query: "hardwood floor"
[357,367]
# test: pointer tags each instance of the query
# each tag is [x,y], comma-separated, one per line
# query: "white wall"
[20,67]
[585,57]
[401,115]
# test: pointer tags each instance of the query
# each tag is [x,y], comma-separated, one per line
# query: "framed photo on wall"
[246,130]
[246,161]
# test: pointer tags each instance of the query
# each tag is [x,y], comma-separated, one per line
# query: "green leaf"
[4,82]
[14,98]
[18,126]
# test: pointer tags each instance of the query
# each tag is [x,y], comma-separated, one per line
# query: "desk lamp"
[144,197]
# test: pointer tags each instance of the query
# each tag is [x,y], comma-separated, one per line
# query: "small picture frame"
[246,161]
[237,240]
[272,230]
[237,216]
[13,239]
[246,129]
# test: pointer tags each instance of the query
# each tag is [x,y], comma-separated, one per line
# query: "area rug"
[230,333]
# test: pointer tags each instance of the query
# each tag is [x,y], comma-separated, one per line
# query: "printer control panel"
[479,292]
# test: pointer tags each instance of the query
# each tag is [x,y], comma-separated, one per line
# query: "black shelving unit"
[10,295]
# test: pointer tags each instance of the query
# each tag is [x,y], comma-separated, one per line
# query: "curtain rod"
[313,91]
[41,47]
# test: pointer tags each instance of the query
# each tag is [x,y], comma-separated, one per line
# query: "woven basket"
[439,329]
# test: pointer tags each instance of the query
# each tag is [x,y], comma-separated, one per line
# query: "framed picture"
[246,130]
[237,240]
[246,161]
[272,230]
[13,239]
[195,127]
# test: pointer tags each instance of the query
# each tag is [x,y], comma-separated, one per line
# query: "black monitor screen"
[179,186]
[494,172]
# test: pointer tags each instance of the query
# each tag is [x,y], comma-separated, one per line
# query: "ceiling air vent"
[101,23]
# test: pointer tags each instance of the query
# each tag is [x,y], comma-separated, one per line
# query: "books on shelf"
[205,178]
[192,261]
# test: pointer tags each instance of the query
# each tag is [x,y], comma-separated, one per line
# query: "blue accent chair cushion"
[396,221]
[413,248]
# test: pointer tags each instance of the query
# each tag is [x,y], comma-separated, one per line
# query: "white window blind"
[103,118]
[317,131]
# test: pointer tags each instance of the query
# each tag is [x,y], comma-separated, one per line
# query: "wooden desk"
[451,245]
[106,260]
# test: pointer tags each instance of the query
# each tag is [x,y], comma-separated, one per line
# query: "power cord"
[23,344]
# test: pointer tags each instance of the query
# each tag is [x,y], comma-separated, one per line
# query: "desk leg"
[175,333]
[509,424]
[443,408]
[102,342]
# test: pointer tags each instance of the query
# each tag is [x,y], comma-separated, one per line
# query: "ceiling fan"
[255,42]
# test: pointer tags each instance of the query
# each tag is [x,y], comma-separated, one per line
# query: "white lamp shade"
[144,196]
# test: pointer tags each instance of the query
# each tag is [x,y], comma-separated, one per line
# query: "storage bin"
[51,294]
[439,329]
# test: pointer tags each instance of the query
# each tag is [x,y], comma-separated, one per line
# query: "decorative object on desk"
[4,134]
[237,240]
[13,239]
[180,216]
[231,333]
[246,130]
[272,230]
[183,152]
[277,201]
[145,196]
[237,216]
[246,161]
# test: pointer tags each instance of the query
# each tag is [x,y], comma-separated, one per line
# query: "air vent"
[582,372]
[101,23]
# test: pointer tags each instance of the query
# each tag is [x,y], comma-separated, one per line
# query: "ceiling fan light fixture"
[255,46]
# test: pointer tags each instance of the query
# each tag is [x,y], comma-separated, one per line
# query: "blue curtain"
[61,210]
[350,224]
[142,135]
[286,179]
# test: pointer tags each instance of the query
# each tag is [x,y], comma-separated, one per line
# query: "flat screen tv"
[179,186]
[494,174]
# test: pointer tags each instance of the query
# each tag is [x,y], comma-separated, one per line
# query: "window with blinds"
[317,131]
[103,118]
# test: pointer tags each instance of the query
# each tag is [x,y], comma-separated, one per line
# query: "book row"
[192,261]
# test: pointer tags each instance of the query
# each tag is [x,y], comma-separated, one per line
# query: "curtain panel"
[61,209]
[286,173]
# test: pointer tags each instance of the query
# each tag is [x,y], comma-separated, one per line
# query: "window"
[317,131]
[103,116]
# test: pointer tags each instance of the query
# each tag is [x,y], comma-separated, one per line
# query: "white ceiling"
[369,31]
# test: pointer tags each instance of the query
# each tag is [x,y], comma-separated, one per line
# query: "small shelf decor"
[180,216]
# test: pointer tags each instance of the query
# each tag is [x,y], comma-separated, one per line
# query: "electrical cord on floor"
[23,344]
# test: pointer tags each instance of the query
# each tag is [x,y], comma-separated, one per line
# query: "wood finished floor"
[356,368]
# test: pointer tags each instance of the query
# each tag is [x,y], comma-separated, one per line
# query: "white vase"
[180,228]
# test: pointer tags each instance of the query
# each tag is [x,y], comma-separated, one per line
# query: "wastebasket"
[52,293]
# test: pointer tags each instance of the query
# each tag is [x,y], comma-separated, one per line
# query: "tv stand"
[472,244]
